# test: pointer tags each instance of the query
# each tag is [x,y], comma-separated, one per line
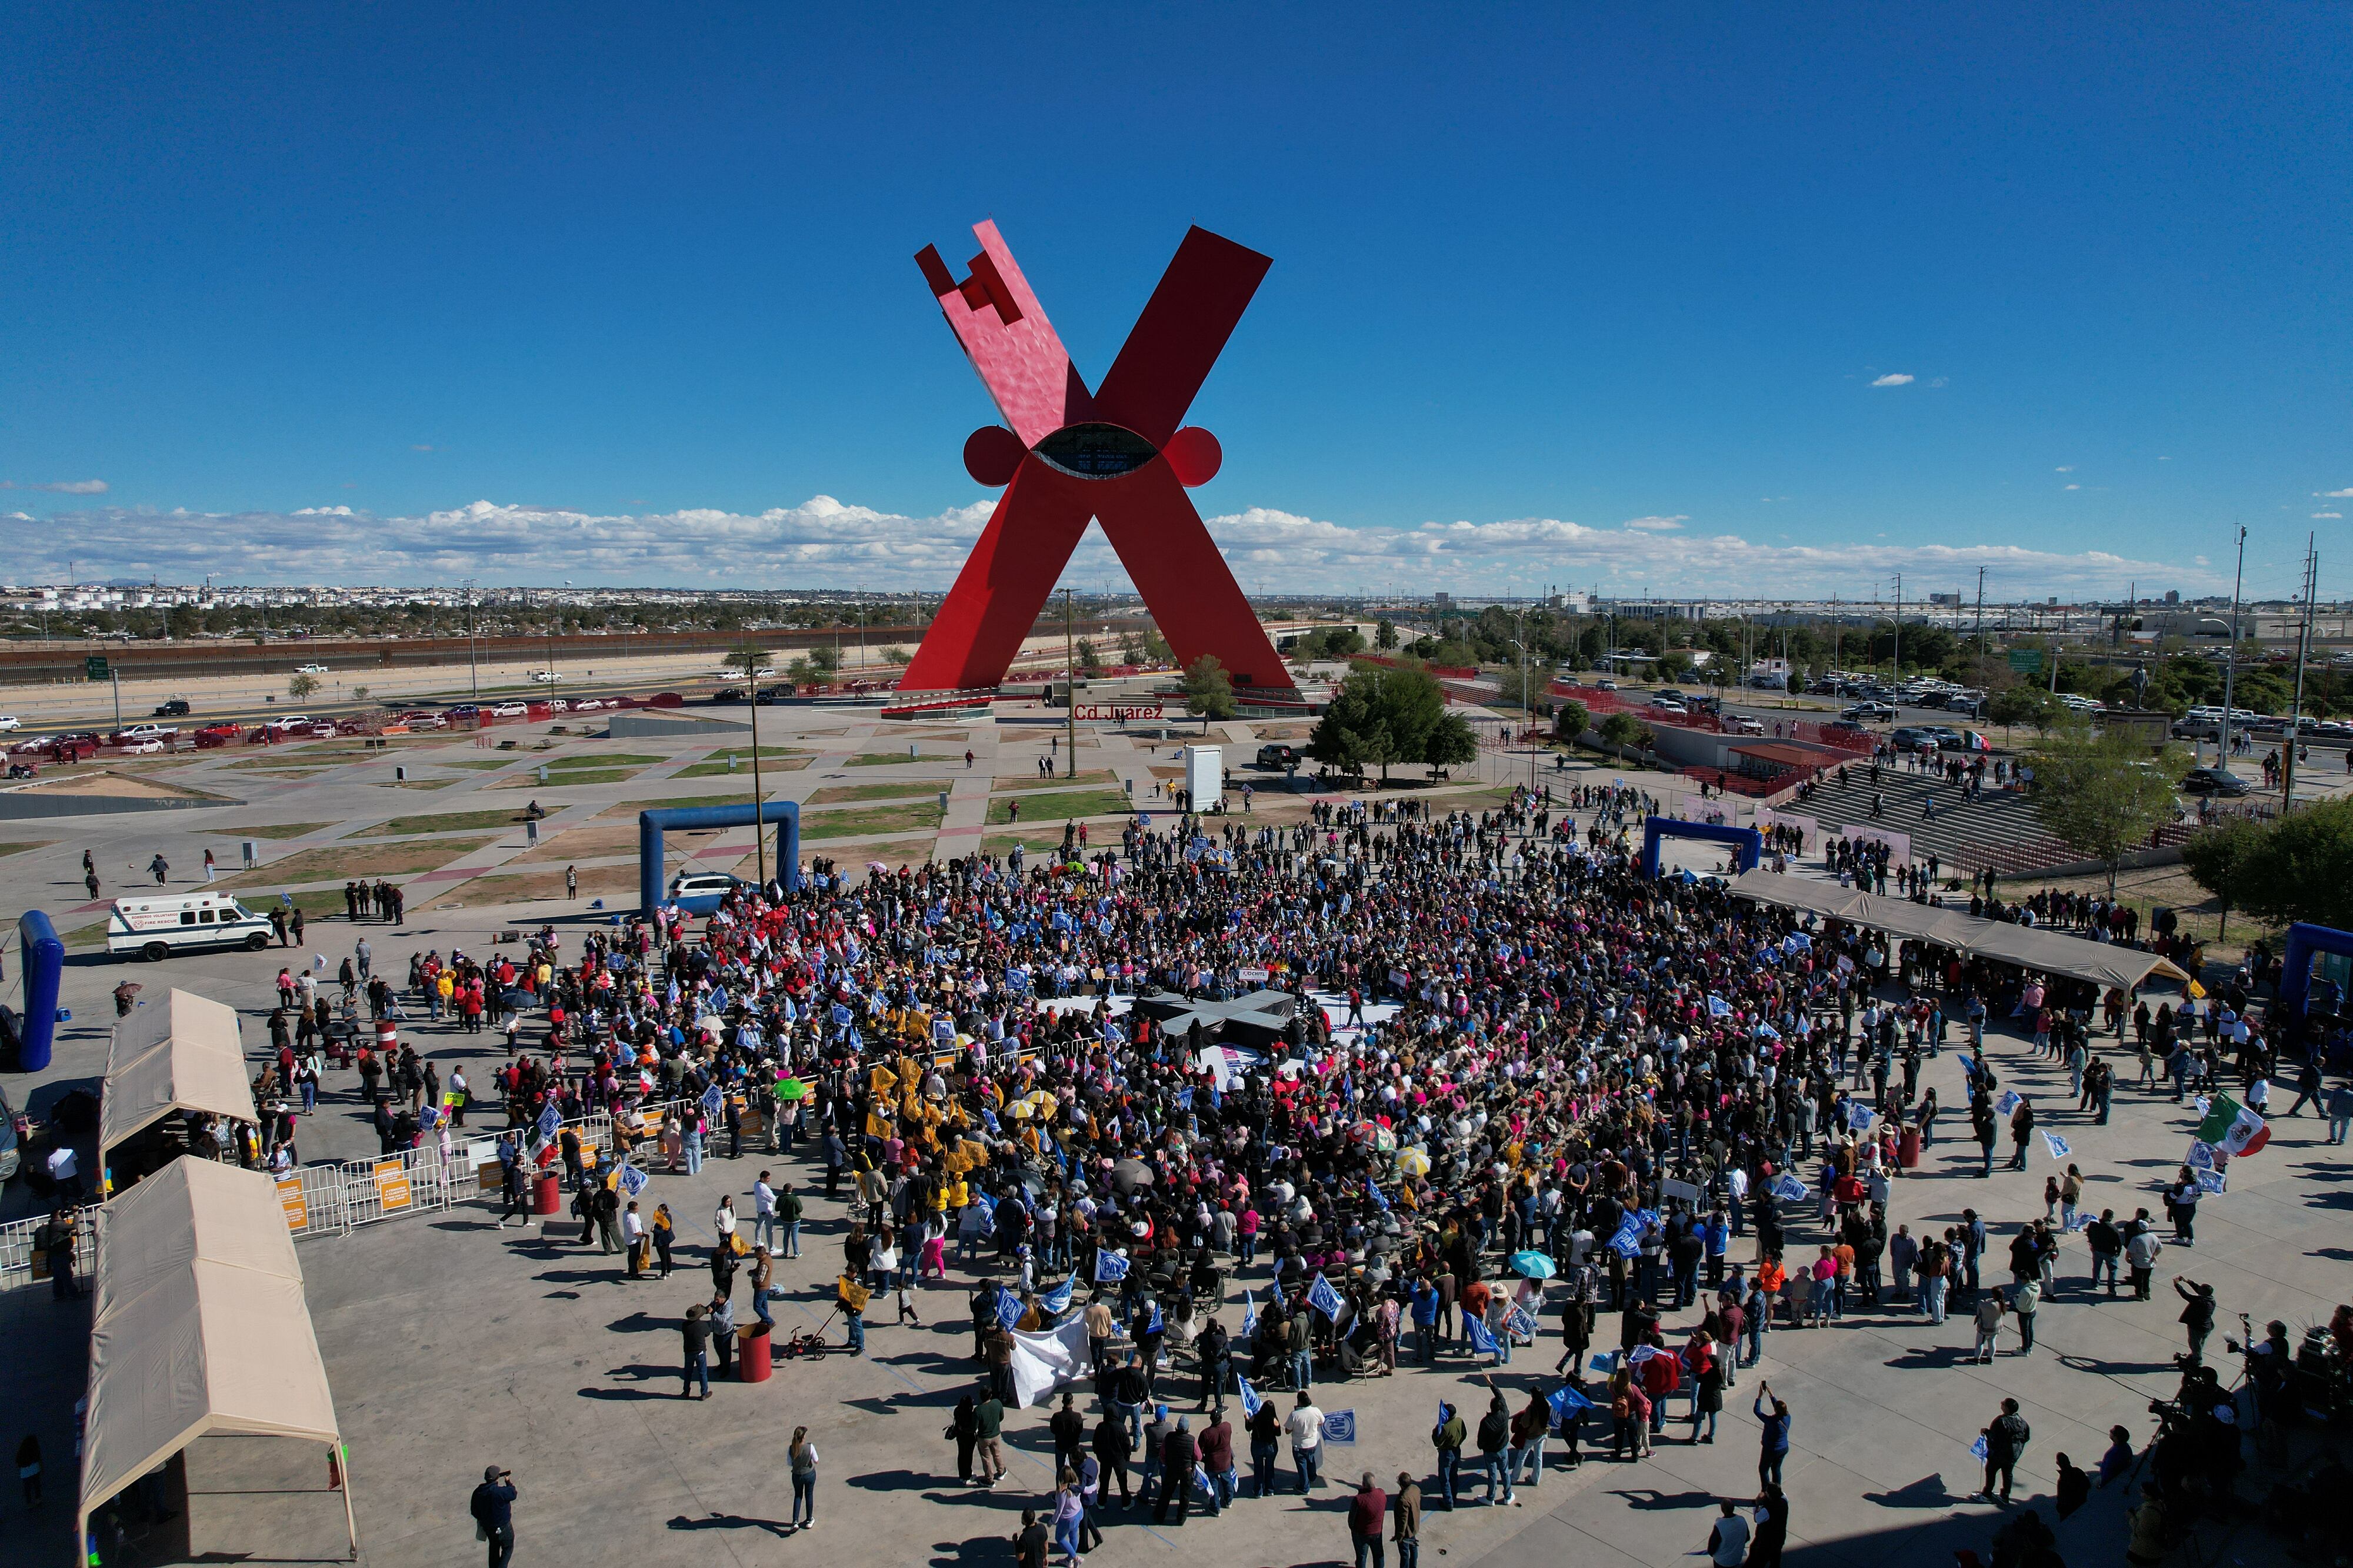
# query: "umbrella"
[519,999]
[1532,1265]
[792,1088]
[1413,1161]
[1129,1174]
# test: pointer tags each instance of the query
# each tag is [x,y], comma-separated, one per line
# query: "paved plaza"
[451,1342]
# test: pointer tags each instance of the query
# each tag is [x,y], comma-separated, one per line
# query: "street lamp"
[473,665]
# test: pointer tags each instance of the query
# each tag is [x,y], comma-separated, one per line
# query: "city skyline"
[1771,306]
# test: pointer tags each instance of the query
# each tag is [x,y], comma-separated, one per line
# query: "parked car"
[1667,705]
[666,700]
[1278,756]
[547,677]
[466,714]
[588,705]
[1604,685]
[699,893]
[1741,724]
[728,694]
[510,711]
[423,719]
[1869,714]
[2218,782]
[141,747]
[172,707]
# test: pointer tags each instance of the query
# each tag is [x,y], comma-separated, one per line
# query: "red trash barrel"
[1907,1148]
[752,1364]
[546,1193]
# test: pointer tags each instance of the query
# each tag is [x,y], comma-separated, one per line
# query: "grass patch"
[20,849]
[1006,781]
[837,794]
[682,803]
[342,862]
[557,779]
[275,829]
[617,760]
[588,843]
[914,816]
[894,759]
[448,822]
[743,768]
[285,770]
[478,762]
[1055,805]
[424,783]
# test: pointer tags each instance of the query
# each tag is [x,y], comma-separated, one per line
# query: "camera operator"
[2271,1363]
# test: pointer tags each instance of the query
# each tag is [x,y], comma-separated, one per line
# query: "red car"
[66,748]
[666,700]
[213,735]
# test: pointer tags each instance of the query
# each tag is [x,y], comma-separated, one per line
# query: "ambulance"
[156,928]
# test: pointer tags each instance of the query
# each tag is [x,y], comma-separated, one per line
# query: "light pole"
[1070,692]
[2303,649]
[473,665]
[2231,669]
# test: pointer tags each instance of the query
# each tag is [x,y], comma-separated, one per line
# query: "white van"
[158,927]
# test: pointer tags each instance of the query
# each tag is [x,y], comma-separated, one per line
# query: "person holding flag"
[2234,1131]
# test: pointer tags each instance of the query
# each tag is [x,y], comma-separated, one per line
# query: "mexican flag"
[2232,1128]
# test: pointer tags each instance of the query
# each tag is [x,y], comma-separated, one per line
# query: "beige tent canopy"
[180,1054]
[2076,958]
[199,1327]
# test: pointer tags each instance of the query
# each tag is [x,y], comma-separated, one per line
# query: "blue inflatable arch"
[651,825]
[1747,844]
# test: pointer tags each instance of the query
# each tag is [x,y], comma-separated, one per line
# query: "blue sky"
[625,295]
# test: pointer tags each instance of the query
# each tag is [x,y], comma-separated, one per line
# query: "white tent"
[198,1327]
[180,1054]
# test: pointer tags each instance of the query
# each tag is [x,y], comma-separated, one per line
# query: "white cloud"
[1893,378]
[2327,516]
[1940,380]
[1658,524]
[2074,486]
[420,449]
[2346,494]
[825,544]
[2067,469]
[61,487]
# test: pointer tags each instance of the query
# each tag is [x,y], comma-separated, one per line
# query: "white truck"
[156,928]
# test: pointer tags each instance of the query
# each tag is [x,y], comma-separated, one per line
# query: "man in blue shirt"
[493,1511]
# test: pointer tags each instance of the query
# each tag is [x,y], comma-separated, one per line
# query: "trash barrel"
[1907,1148]
[546,1193]
[752,1353]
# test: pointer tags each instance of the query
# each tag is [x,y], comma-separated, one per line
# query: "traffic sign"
[2026,660]
[94,667]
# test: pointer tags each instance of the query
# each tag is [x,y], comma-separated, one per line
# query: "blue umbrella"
[1532,1265]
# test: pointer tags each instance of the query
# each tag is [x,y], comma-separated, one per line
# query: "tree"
[1380,717]
[1090,662]
[1156,649]
[2022,705]
[359,693]
[1450,744]
[1208,689]
[1384,635]
[2303,868]
[824,658]
[2103,794]
[301,685]
[2225,860]
[1672,664]
[746,658]
[1572,721]
[1626,731]
[1130,648]
[894,654]
[1513,691]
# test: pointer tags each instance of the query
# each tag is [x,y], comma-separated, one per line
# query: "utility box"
[252,853]
[1205,776]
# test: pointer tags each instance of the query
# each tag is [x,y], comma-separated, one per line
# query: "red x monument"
[1122,454]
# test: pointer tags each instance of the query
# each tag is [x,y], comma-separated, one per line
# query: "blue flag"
[1155,1326]
[1340,1429]
[1323,1297]
[548,1121]
[1110,1267]
[1788,1188]
[1565,1400]
[1520,1322]
[1373,1189]
[1475,1330]
[633,1180]
[713,1101]
[1252,1399]
[1858,1115]
[1627,1241]
[1718,1008]
[1978,1448]
[2057,1145]
[1009,1308]
[1057,1299]
[1250,1313]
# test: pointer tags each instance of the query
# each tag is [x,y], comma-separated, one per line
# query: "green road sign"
[2026,660]
[94,667]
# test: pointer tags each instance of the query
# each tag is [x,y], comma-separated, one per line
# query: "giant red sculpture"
[1121,455]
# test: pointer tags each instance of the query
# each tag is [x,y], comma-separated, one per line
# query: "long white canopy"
[199,1327]
[182,1053]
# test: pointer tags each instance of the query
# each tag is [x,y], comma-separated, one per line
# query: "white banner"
[1043,1363]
